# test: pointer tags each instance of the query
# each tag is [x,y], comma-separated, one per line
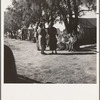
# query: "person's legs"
[42,51]
[52,51]
[72,47]
[55,52]
[69,46]
[37,44]
[40,42]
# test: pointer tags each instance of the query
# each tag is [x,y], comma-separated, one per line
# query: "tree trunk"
[75,24]
[70,16]
[76,16]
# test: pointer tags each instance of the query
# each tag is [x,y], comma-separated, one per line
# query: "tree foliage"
[26,12]
[66,10]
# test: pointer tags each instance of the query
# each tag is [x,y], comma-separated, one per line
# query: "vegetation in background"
[25,12]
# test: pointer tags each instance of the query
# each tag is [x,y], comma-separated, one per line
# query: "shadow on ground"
[73,53]
[23,79]
[83,50]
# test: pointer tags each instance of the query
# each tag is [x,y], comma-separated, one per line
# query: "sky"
[5,4]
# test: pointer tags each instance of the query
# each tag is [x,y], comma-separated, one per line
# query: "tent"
[87,30]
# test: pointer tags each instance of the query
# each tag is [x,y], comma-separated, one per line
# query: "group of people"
[47,38]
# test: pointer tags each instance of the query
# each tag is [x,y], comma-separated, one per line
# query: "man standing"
[42,38]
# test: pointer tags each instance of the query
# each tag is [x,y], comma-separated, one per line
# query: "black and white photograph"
[50,49]
[50,41]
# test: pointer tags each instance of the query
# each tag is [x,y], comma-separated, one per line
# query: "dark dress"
[43,39]
[52,38]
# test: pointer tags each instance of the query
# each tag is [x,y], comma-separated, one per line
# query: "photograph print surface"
[50,41]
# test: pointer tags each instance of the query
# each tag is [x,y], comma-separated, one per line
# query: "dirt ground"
[64,67]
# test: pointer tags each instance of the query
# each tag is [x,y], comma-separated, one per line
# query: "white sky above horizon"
[5,4]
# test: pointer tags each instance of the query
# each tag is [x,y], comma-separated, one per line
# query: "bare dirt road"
[64,67]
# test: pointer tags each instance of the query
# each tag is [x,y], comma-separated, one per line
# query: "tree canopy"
[26,12]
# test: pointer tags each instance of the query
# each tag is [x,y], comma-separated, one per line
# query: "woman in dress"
[52,38]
